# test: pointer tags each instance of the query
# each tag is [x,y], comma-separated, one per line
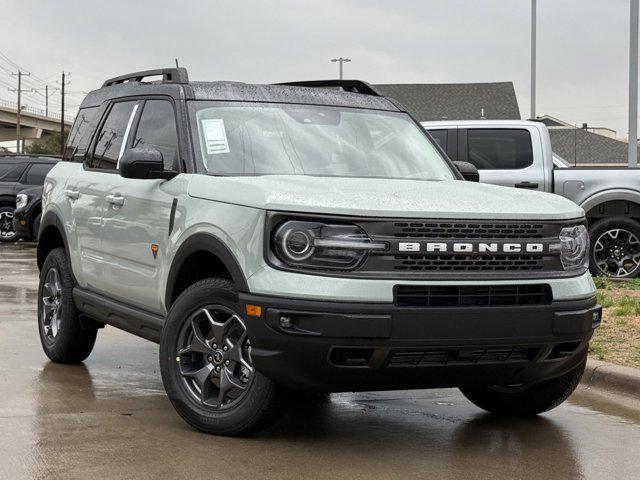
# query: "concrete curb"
[612,379]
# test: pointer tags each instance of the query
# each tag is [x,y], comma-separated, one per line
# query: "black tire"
[35,228]
[259,404]
[526,401]
[598,232]
[71,343]
[7,233]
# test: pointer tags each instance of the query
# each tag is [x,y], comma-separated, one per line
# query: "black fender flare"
[50,219]
[208,243]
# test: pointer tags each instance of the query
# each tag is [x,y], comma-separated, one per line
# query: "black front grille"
[471,295]
[468,356]
[467,230]
[443,263]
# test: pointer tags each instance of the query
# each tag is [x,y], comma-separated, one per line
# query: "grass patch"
[617,339]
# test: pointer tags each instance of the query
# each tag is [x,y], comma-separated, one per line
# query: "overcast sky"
[582,45]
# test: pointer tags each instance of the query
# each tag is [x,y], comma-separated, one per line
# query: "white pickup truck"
[518,153]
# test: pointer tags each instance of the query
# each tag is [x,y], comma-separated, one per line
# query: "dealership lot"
[110,418]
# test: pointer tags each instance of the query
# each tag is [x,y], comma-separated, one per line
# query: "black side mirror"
[144,163]
[468,171]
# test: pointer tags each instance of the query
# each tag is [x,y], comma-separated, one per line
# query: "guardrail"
[35,111]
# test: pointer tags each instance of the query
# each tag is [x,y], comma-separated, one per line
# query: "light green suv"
[304,237]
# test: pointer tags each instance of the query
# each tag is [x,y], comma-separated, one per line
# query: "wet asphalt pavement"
[109,418]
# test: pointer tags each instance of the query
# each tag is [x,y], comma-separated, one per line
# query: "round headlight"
[296,244]
[21,200]
[574,247]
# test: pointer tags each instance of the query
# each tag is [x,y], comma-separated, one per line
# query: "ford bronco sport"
[306,237]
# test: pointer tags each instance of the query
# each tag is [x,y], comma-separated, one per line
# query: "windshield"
[285,139]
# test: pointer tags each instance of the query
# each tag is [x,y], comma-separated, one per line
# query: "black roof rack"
[169,75]
[356,86]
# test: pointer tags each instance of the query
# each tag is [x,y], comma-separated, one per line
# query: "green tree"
[47,145]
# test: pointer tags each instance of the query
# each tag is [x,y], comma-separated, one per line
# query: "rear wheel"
[615,247]
[64,339]
[525,400]
[205,360]
[7,233]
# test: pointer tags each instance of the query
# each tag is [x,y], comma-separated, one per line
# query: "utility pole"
[341,61]
[46,101]
[62,85]
[533,59]
[19,90]
[632,157]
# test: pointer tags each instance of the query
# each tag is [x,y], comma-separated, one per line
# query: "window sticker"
[215,137]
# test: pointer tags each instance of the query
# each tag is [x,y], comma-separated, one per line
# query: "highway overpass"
[33,123]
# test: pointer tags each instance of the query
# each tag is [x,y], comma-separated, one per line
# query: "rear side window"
[37,172]
[157,129]
[80,134]
[109,144]
[499,149]
[10,172]
[440,136]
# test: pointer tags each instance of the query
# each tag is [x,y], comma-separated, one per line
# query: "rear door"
[86,191]
[136,217]
[504,156]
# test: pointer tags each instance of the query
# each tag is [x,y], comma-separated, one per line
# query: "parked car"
[26,218]
[518,154]
[18,172]
[304,236]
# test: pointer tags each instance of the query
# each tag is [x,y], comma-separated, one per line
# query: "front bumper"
[340,346]
[22,223]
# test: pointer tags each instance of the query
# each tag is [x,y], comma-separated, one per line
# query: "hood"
[372,197]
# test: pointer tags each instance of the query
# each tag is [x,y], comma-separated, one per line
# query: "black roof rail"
[169,75]
[356,86]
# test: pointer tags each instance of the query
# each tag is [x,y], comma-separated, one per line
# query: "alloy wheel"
[6,225]
[51,304]
[617,253]
[214,357]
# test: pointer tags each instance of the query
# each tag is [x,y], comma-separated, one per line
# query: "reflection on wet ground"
[109,418]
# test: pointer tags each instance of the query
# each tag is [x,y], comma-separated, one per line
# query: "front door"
[87,190]
[136,219]
[504,156]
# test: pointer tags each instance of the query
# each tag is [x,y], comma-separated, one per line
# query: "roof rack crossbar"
[355,86]
[169,75]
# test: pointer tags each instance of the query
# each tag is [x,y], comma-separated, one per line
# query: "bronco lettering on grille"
[465,247]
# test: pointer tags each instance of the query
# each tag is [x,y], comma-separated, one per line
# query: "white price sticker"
[215,136]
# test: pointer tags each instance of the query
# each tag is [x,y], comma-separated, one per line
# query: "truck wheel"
[205,361]
[63,337]
[528,400]
[7,233]
[615,248]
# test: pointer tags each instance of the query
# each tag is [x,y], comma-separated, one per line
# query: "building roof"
[456,101]
[579,146]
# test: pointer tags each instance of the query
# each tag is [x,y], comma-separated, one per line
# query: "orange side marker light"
[253,310]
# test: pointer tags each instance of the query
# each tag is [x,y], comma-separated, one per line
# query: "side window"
[11,172]
[80,134]
[157,129]
[37,172]
[440,136]
[499,149]
[109,143]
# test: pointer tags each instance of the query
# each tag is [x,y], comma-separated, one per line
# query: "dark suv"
[18,172]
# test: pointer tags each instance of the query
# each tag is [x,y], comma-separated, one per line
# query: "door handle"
[115,200]
[72,194]
[526,185]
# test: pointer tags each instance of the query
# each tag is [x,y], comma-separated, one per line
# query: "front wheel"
[615,248]
[206,366]
[64,338]
[525,400]
[7,233]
